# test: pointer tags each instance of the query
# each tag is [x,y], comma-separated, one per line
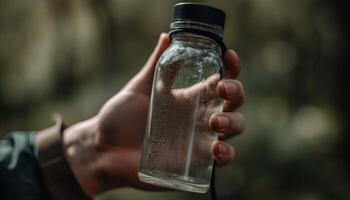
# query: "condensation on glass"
[177,146]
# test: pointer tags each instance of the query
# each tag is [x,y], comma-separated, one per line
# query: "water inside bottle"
[179,138]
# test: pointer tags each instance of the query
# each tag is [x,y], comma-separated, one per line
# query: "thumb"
[143,80]
[162,45]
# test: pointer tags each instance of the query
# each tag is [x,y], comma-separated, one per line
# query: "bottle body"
[177,146]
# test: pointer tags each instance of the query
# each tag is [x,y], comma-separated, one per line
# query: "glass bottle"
[177,145]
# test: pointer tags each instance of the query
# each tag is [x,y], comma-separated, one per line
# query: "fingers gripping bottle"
[177,146]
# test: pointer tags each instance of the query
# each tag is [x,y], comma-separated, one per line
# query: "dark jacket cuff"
[58,174]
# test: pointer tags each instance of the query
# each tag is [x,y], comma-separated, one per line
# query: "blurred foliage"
[71,56]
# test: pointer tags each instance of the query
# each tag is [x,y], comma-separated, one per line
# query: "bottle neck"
[196,39]
[198,31]
[193,25]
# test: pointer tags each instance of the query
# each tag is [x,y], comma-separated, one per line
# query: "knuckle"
[237,123]
[240,95]
[237,61]
[216,114]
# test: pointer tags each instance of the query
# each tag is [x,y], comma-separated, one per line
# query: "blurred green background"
[71,56]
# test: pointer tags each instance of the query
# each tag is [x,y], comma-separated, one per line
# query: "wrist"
[82,153]
[57,172]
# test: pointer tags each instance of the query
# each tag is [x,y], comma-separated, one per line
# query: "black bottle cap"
[200,13]
[199,19]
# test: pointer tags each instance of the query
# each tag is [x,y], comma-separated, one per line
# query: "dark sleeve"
[20,174]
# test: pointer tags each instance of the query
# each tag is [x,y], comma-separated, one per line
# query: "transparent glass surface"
[177,147]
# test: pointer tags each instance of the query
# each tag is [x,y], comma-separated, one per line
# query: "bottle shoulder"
[190,53]
[189,59]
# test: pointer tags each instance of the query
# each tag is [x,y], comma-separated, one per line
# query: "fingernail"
[162,35]
[230,89]
[160,38]
[223,121]
[223,149]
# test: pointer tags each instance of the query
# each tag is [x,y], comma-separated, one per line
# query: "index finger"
[232,64]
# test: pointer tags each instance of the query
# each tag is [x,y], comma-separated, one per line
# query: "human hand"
[104,152]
